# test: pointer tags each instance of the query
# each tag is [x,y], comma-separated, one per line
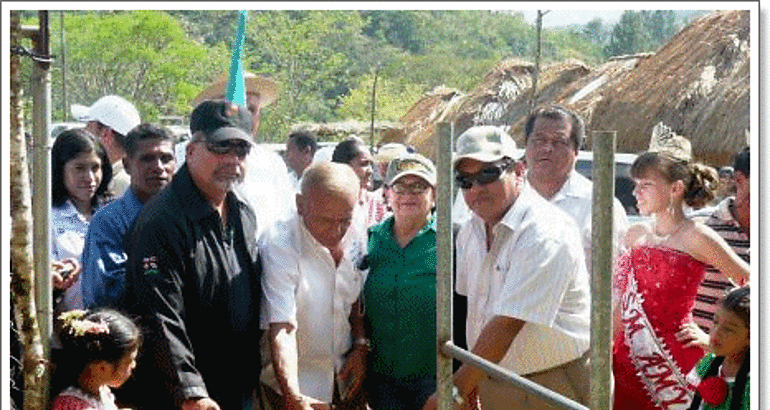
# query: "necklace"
[666,237]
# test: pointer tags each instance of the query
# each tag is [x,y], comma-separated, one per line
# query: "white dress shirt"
[302,286]
[576,198]
[535,272]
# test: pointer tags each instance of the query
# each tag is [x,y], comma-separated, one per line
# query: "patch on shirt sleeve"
[120,257]
[150,265]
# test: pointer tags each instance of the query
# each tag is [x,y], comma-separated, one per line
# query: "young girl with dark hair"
[656,280]
[99,352]
[80,176]
[721,377]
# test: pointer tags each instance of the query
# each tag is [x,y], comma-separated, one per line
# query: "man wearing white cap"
[521,265]
[111,118]
[264,187]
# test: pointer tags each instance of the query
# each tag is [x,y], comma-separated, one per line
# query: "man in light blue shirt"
[150,163]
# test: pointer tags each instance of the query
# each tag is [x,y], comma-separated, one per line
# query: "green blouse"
[400,302]
[702,367]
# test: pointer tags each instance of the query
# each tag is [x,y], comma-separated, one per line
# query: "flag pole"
[236,88]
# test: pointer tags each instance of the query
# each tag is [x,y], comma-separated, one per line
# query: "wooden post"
[444,244]
[601,275]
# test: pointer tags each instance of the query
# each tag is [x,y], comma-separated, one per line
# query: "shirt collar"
[194,200]
[512,217]
[576,185]
[69,211]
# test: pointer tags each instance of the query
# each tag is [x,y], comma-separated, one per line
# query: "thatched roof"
[419,122]
[697,84]
[502,98]
[337,131]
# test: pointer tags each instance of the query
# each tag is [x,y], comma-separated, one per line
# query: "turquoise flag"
[236,89]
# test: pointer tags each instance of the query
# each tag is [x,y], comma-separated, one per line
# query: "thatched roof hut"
[697,84]
[419,122]
[502,98]
[338,131]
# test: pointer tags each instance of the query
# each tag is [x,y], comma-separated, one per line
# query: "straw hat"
[267,89]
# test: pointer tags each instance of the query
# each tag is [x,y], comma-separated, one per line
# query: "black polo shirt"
[196,287]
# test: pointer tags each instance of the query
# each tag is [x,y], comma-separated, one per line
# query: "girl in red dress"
[99,352]
[657,278]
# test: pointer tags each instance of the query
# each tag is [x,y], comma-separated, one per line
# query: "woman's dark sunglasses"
[486,176]
[240,148]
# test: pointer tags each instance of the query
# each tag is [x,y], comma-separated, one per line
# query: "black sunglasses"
[240,148]
[486,176]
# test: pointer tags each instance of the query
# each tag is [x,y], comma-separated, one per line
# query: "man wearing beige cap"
[264,187]
[111,118]
[521,264]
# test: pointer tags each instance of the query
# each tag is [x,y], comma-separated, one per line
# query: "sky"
[556,18]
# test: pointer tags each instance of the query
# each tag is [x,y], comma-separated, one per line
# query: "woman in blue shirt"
[80,175]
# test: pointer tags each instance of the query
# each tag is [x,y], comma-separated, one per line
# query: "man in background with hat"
[111,118]
[520,263]
[193,274]
[266,179]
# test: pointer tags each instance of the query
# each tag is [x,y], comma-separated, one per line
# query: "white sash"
[656,368]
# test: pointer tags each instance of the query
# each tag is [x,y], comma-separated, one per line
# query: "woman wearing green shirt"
[400,291]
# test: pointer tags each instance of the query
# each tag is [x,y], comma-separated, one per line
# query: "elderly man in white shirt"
[314,272]
[520,263]
[553,136]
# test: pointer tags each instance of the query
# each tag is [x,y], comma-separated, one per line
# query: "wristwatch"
[362,341]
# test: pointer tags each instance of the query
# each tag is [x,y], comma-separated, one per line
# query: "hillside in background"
[326,61]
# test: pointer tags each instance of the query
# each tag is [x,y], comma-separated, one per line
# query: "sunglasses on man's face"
[486,176]
[238,147]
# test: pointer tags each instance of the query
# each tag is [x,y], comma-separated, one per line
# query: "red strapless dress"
[656,286]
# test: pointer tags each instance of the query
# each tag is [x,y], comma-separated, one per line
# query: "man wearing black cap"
[193,275]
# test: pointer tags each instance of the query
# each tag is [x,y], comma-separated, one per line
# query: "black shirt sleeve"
[159,269]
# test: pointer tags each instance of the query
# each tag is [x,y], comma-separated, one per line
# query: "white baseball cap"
[111,110]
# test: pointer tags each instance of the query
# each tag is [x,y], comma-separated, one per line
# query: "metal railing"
[601,304]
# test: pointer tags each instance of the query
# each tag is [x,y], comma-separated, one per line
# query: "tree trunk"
[22,283]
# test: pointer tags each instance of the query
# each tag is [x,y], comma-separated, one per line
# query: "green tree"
[630,35]
[595,31]
[297,48]
[144,56]
[393,99]
[662,25]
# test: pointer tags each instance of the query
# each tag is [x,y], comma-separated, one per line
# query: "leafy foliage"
[324,61]
[143,56]
[642,31]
